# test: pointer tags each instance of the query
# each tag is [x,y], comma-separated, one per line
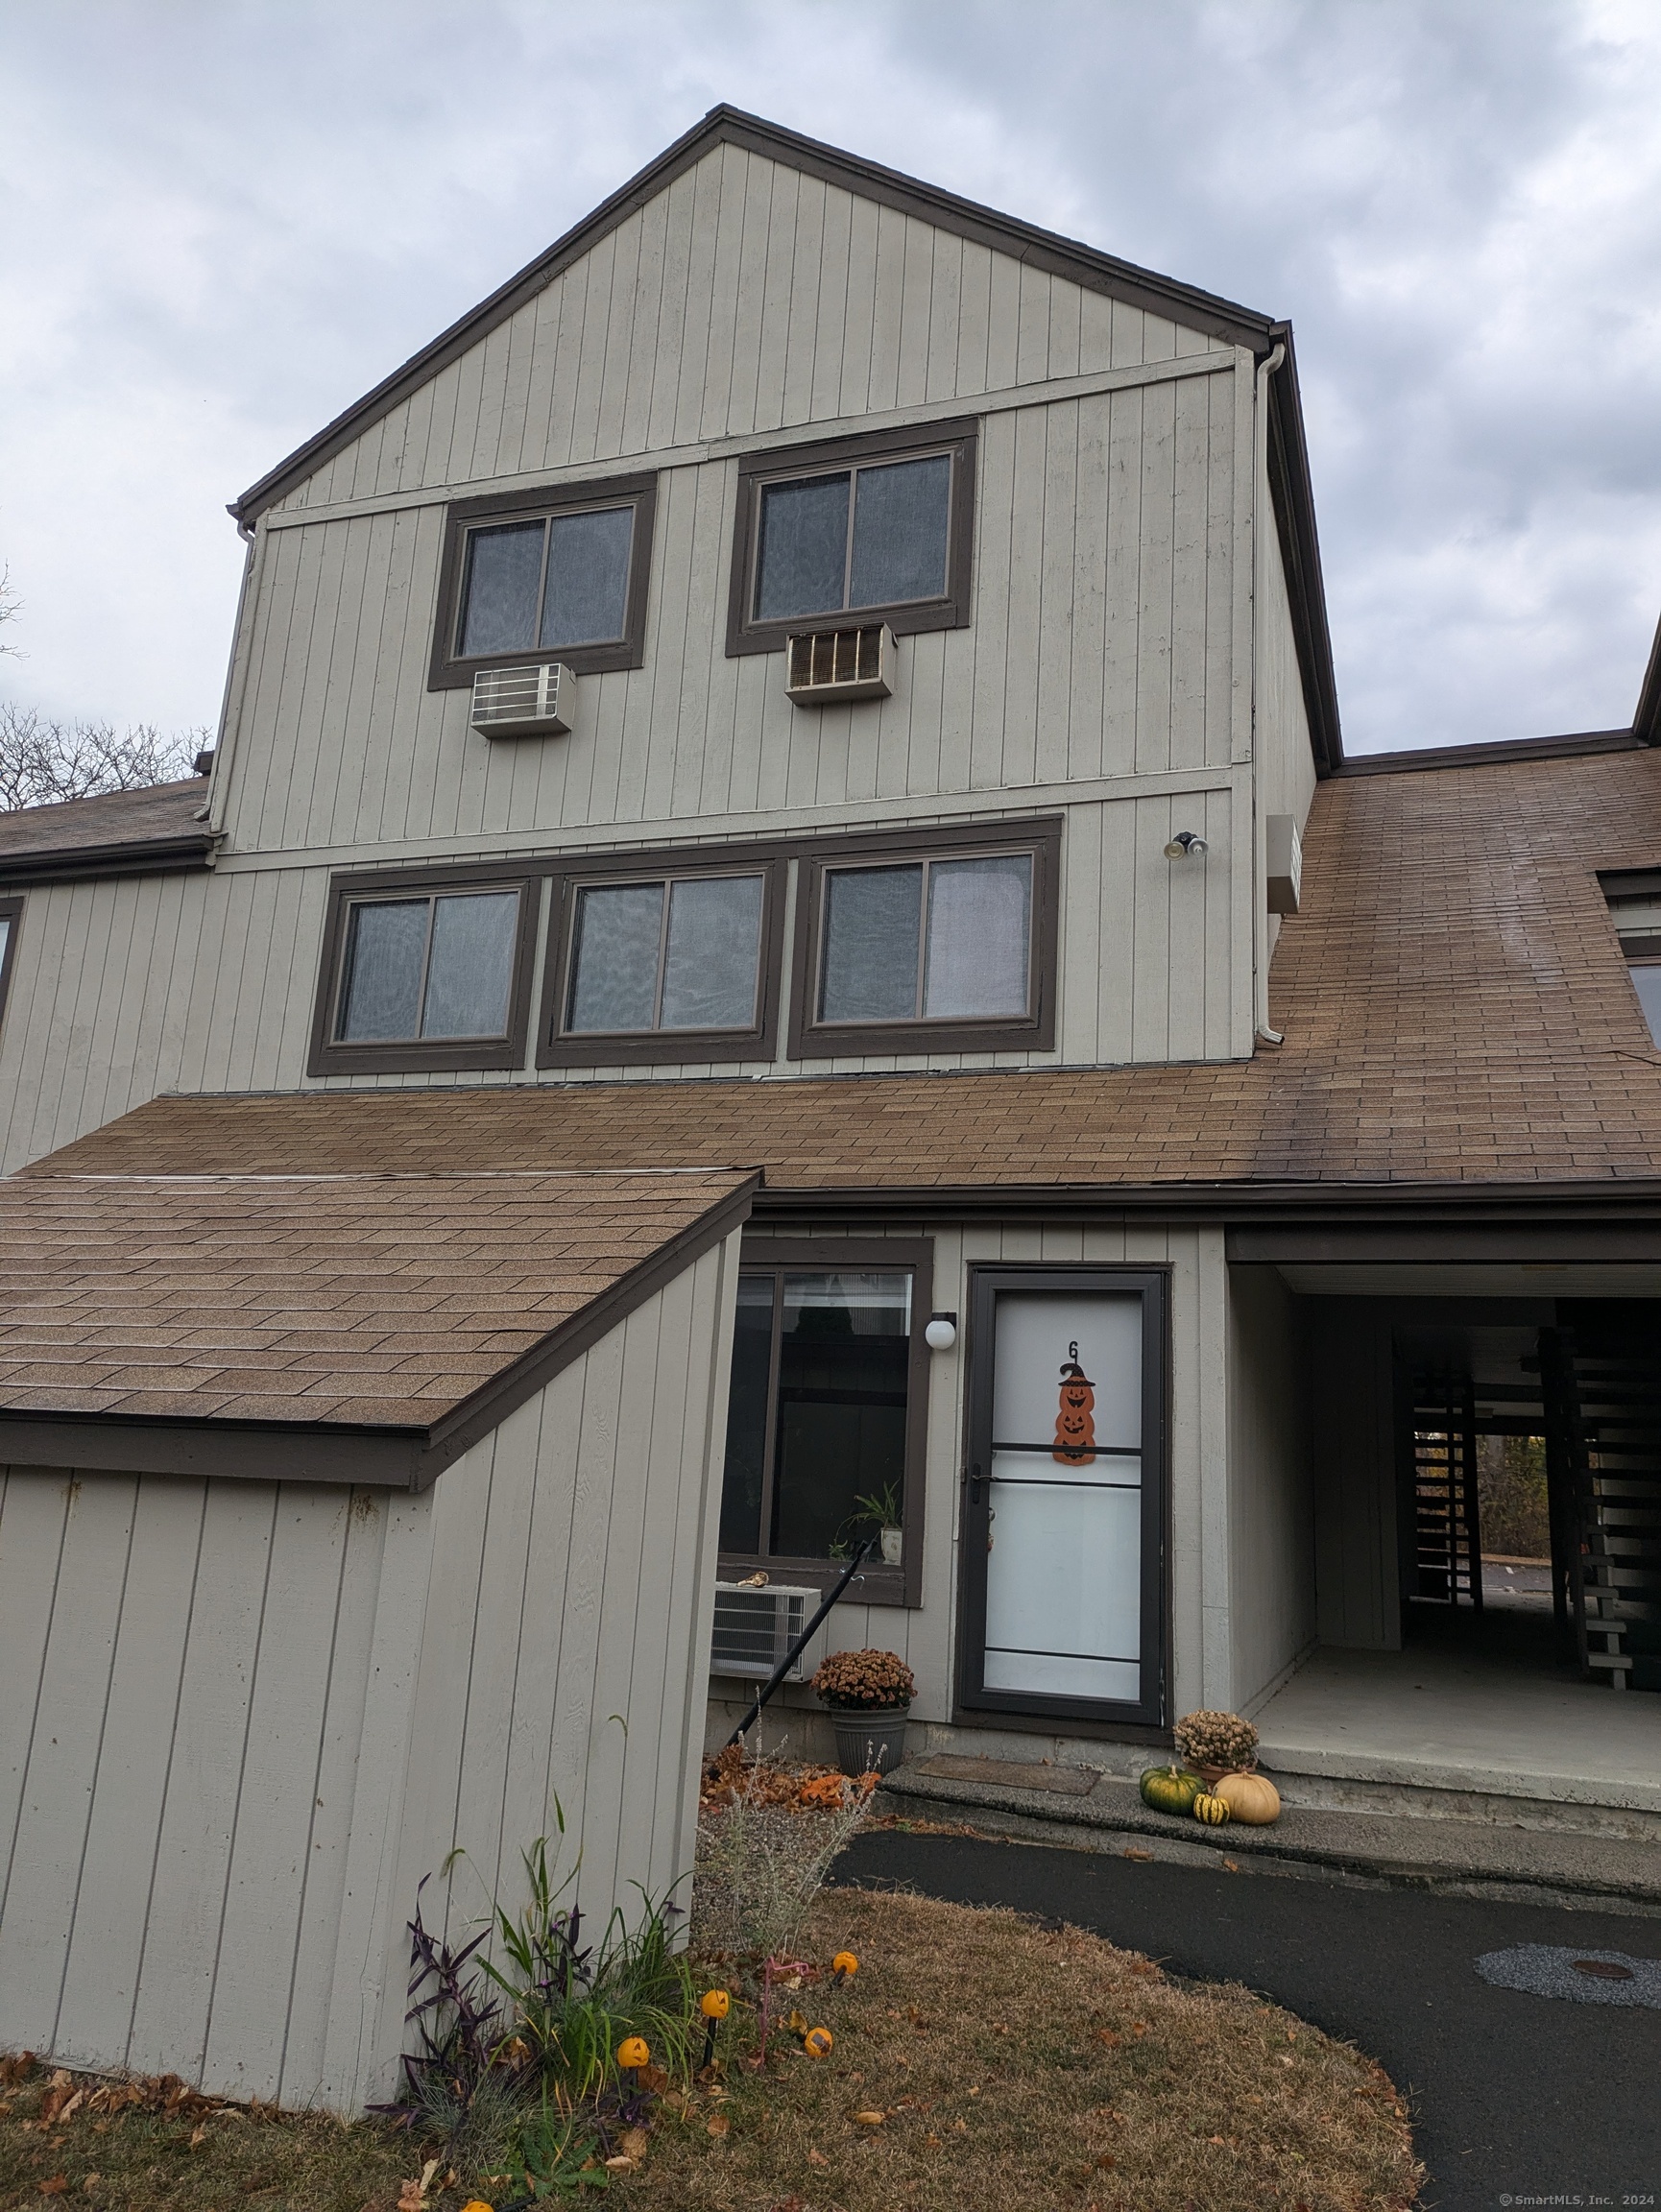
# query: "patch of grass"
[1017,2069]
[169,2151]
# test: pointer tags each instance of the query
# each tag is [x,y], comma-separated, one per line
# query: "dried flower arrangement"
[872,1681]
[1217,1740]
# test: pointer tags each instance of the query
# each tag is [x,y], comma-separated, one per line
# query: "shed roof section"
[355,1300]
[1456,1006]
[118,832]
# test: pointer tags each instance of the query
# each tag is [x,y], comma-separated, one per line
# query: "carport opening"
[1529,1487]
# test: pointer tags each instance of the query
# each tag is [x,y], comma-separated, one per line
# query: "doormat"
[1583,1977]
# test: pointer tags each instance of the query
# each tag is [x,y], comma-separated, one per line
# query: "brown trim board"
[80,863]
[1647,715]
[388,1458]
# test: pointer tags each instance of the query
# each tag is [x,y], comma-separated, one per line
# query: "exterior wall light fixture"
[941,1334]
[1186,846]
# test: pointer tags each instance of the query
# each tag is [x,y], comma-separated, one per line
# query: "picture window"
[927,940]
[677,954]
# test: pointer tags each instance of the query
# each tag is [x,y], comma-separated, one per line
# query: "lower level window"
[427,968]
[818,1417]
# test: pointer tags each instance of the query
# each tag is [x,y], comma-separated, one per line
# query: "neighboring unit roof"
[122,832]
[1456,1011]
[421,1308]
[1047,250]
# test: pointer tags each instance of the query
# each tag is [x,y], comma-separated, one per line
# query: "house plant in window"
[881,1511]
[868,1694]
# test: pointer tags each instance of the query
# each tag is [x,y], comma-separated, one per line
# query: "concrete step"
[1089,1809]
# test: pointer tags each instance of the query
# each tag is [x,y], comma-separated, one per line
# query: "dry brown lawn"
[1008,2068]
[979,2061]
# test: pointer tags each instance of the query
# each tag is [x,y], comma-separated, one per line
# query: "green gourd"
[1170,1790]
[1212,1810]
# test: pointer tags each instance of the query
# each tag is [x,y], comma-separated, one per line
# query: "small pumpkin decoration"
[844,1966]
[1075,1419]
[715,2003]
[817,2042]
[633,2052]
[1170,1790]
[1251,1798]
[1212,1810]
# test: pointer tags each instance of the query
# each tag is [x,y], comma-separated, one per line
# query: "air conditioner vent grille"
[755,1628]
[530,702]
[822,665]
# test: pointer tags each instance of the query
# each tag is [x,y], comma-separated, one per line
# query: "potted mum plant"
[868,1694]
[1213,1745]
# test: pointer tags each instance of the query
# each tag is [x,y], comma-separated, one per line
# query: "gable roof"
[1084,265]
[1457,1015]
[118,833]
[404,1315]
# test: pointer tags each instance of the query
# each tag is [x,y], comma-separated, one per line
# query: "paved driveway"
[1517,2099]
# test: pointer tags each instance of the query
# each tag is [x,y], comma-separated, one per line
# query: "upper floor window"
[876,528]
[559,573]
[421,971]
[947,943]
[676,961]
[10,917]
[1635,909]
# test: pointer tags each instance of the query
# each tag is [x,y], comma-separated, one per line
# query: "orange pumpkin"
[817,2042]
[715,2003]
[1251,1798]
[1075,1443]
[633,2051]
[844,1963]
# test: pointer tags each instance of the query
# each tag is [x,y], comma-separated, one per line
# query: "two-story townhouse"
[811,704]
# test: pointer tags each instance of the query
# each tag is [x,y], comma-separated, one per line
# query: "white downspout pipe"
[1259,479]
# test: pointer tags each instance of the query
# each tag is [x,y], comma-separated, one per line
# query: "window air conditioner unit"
[1283,858]
[822,666]
[524,702]
[755,1628]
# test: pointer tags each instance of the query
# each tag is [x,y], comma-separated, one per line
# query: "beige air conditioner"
[755,1628]
[537,702]
[824,666]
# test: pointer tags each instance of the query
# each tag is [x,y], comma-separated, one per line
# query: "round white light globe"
[941,1334]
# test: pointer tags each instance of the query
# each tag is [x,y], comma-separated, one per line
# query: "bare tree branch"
[42,761]
[11,607]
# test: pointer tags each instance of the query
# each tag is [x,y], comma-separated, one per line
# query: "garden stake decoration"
[632,2054]
[715,2005]
[844,1966]
[817,2042]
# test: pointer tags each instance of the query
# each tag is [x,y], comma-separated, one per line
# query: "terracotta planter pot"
[1210,1776]
[868,1737]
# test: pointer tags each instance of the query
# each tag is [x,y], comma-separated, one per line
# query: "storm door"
[1063,1524]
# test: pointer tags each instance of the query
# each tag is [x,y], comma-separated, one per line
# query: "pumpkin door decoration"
[1075,1419]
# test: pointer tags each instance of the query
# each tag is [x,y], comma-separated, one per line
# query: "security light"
[1186,846]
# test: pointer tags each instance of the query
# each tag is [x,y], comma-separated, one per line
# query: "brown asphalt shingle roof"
[1454,1004]
[162,814]
[362,1300]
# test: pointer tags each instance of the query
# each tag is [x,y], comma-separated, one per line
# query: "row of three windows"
[684,963]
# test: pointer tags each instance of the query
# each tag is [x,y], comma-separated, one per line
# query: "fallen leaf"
[871,2119]
[1131,1852]
[720,2125]
[1106,2035]
[198,2136]
[55,2186]
[619,2165]
[634,2143]
[652,2078]
[817,2158]
[1229,1866]
[930,2142]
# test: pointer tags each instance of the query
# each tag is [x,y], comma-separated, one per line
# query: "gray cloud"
[226,222]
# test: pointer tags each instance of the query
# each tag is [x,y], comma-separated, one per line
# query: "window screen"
[867,536]
[537,586]
[429,968]
[680,953]
[927,940]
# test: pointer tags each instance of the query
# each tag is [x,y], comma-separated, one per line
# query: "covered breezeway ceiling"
[1533,1280]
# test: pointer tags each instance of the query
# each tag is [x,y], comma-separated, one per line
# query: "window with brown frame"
[11,921]
[873,529]
[426,968]
[936,941]
[826,1412]
[664,956]
[558,573]
[1634,898]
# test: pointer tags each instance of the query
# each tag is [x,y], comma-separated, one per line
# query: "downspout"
[1260,478]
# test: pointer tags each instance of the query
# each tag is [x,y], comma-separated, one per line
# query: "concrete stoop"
[1088,1808]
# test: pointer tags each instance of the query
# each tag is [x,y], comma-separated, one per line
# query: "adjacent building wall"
[1271,1529]
[243,1720]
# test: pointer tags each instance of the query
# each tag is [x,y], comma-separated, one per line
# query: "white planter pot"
[893,1545]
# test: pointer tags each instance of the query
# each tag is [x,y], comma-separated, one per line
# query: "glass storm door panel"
[1063,1533]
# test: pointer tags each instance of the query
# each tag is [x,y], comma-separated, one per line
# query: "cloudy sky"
[225,221]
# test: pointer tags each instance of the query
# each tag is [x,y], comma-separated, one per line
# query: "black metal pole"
[798,1648]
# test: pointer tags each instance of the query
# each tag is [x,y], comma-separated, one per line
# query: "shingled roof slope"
[1453,998]
[157,820]
[359,1300]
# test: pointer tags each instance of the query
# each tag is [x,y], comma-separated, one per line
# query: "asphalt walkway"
[1517,2099]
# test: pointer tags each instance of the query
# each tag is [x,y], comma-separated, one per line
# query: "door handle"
[975,1481]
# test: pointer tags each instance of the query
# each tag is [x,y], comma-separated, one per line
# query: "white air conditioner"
[537,702]
[824,667]
[755,1628]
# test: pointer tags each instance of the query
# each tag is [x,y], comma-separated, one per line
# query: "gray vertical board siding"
[1271,1566]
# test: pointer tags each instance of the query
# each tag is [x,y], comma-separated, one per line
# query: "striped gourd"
[1211,1809]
